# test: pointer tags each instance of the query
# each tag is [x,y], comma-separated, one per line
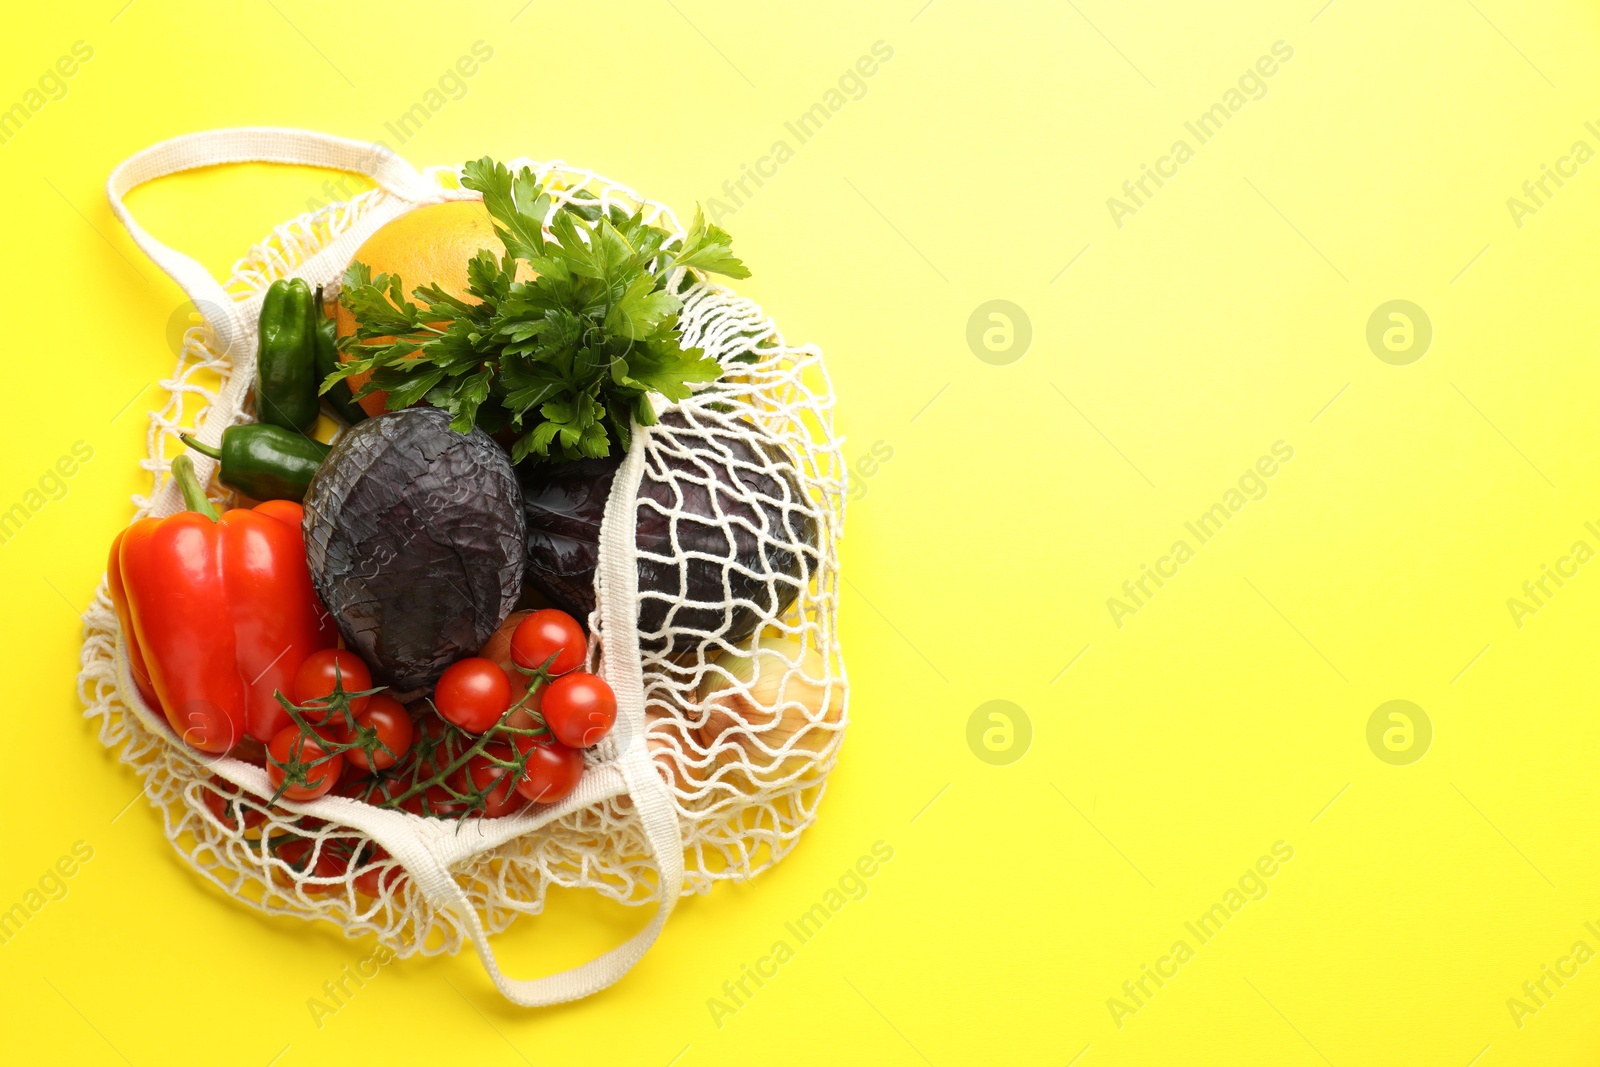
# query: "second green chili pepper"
[338,395]
[286,373]
[265,462]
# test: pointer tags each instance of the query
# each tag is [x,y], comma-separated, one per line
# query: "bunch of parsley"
[565,361]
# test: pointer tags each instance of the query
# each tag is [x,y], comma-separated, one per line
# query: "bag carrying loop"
[249,144]
[426,855]
[232,320]
[623,670]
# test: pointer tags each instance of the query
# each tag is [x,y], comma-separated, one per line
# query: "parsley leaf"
[709,248]
[565,360]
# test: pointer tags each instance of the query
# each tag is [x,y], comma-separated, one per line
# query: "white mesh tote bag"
[721,748]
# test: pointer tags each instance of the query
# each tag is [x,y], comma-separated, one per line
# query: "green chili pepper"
[338,396]
[286,373]
[265,462]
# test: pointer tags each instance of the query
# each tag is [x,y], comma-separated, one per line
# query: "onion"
[673,745]
[770,713]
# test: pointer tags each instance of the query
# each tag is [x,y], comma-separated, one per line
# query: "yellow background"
[1229,713]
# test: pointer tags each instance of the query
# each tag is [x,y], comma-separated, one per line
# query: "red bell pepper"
[217,613]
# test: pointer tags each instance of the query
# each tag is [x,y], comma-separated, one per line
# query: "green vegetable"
[327,361]
[265,462]
[564,362]
[286,374]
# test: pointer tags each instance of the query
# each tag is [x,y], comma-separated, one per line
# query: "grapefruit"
[429,245]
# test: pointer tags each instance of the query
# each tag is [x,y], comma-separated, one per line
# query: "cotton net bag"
[721,748]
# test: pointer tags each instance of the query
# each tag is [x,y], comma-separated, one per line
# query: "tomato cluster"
[502,729]
[321,867]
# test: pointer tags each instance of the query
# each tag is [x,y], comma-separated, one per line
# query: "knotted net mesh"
[739,512]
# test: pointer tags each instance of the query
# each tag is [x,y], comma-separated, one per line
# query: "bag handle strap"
[231,319]
[666,857]
[248,144]
[618,590]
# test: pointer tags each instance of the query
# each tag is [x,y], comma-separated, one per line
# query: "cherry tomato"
[580,709]
[358,787]
[226,809]
[290,746]
[553,772]
[381,792]
[333,861]
[547,633]
[526,716]
[378,872]
[295,853]
[440,804]
[395,730]
[313,682]
[500,782]
[473,693]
